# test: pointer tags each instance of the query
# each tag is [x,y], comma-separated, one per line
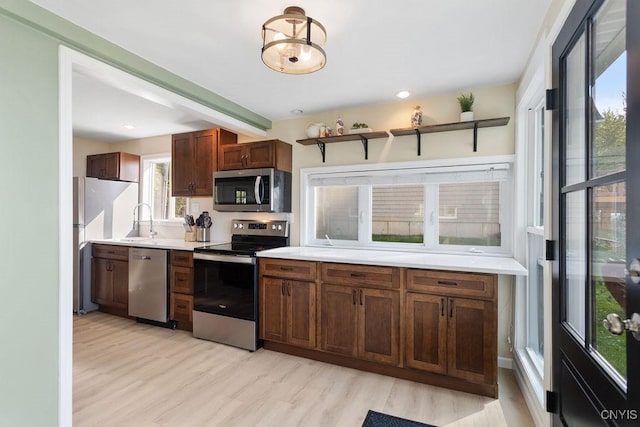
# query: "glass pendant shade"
[292,43]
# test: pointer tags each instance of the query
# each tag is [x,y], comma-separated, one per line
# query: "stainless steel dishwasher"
[148,293]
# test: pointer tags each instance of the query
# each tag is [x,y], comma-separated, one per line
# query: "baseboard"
[538,413]
[505,362]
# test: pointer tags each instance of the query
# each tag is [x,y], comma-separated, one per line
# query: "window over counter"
[156,189]
[454,205]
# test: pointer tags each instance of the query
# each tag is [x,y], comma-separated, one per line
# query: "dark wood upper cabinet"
[194,159]
[114,166]
[253,155]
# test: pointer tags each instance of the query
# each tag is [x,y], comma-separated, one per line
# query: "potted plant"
[466,106]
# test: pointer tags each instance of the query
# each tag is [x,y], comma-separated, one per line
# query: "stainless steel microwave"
[252,190]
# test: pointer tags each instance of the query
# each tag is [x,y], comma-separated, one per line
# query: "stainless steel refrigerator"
[101,210]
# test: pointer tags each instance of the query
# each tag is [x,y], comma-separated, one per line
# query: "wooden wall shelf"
[363,137]
[447,127]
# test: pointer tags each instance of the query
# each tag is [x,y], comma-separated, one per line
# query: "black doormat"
[377,419]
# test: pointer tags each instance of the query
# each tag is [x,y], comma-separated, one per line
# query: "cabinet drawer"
[181,307]
[361,275]
[451,283]
[182,258]
[288,269]
[182,280]
[110,252]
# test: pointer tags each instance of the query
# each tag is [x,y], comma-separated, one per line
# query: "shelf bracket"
[419,136]
[475,137]
[365,145]
[322,147]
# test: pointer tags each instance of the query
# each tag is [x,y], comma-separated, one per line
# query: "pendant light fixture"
[292,43]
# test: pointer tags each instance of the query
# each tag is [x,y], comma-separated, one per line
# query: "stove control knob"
[279,228]
[235,225]
[240,226]
[273,226]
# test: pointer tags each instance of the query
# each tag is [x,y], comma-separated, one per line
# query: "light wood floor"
[130,374]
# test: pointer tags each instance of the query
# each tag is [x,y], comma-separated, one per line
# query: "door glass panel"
[575,261]
[608,264]
[609,105]
[575,147]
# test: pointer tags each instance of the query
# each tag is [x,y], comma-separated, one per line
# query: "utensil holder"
[190,236]
[203,234]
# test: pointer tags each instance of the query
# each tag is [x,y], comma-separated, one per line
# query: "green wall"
[29,199]
[29,227]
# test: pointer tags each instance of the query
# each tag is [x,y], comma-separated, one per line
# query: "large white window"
[156,190]
[535,239]
[448,206]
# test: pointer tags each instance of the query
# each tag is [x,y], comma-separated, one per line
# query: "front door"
[596,175]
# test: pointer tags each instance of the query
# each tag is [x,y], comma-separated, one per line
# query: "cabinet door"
[260,155]
[338,314]
[111,166]
[182,164]
[426,332]
[102,281]
[206,153]
[95,166]
[231,157]
[301,313]
[472,348]
[120,278]
[181,310]
[379,325]
[273,309]
[182,280]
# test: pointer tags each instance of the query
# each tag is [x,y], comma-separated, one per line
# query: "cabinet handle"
[289,288]
[441,306]
[446,283]
[286,268]
[353,295]
[111,252]
[361,301]
[358,275]
[282,288]
[451,308]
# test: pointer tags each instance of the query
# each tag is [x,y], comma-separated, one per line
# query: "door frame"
[598,379]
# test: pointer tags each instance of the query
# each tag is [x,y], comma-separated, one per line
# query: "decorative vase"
[313,130]
[466,116]
[416,116]
[339,126]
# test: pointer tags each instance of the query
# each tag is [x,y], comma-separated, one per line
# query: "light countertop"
[139,242]
[470,263]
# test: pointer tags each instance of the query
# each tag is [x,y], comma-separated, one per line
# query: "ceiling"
[373,51]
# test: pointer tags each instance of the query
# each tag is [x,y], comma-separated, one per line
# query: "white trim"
[65,244]
[122,80]
[531,396]
[70,61]
[505,362]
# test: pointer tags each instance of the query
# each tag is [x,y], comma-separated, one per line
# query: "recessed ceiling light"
[403,94]
[128,126]
[297,112]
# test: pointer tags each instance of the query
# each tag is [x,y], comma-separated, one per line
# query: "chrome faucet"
[136,224]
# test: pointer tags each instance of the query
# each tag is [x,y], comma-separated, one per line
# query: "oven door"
[226,285]
[248,190]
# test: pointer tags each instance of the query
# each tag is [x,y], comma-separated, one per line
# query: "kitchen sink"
[134,239]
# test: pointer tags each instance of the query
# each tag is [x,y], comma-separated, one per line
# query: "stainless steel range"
[225,294]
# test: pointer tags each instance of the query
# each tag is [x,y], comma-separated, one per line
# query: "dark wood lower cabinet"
[361,322]
[181,286]
[288,311]
[110,285]
[409,323]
